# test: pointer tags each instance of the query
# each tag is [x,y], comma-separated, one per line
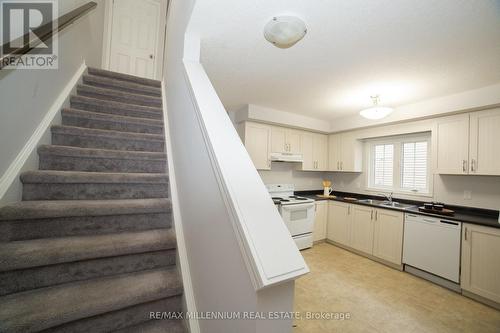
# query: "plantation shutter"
[383,165]
[414,166]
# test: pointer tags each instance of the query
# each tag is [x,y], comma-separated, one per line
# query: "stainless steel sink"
[370,201]
[395,204]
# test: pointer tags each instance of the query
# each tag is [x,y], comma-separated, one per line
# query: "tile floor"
[381,299]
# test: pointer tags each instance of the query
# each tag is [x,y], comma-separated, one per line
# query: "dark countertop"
[471,215]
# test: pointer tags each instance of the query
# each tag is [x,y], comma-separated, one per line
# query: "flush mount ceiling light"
[376,112]
[285,31]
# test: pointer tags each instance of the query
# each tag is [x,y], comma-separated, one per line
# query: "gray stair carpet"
[91,248]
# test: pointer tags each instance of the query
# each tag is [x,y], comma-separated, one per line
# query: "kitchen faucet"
[388,196]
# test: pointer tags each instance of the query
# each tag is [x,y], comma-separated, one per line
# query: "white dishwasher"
[433,245]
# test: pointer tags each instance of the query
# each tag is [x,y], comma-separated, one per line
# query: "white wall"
[26,95]
[286,173]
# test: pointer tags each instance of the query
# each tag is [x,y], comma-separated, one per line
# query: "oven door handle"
[298,206]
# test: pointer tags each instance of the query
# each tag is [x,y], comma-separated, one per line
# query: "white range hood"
[287,157]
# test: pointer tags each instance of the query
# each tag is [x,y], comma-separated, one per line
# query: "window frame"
[398,142]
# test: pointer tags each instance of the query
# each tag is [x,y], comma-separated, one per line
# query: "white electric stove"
[297,213]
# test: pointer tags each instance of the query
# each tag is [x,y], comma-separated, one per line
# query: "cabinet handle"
[338,165]
[464,166]
[349,210]
[376,215]
[473,165]
[465,233]
[341,165]
[371,218]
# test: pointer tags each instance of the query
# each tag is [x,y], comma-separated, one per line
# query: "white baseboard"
[15,168]
[194,326]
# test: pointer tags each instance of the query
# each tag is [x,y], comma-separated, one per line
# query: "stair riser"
[70,163]
[130,99]
[111,125]
[120,319]
[93,191]
[129,111]
[106,143]
[81,226]
[124,77]
[40,277]
[122,86]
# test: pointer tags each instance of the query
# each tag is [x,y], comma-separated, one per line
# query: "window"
[400,164]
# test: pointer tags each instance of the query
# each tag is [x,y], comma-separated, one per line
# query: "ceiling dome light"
[376,112]
[285,31]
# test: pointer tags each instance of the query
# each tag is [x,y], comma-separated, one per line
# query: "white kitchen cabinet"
[484,140]
[480,261]
[285,140]
[345,153]
[321,220]
[339,222]
[362,228]
[320,152]
[388,235]
[314,151]
[257,139]
[453,144]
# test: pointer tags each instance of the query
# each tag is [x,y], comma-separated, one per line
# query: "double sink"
[386,203]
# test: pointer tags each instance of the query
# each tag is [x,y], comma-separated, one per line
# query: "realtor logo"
[26,26]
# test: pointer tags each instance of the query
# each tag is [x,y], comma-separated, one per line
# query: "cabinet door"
[452,145]
[307,142]
[480,261]
[339,226]
[320,151]
[334,152]
[362,228]
[257,142]
[388,235]
[293,141]
[484,139]
[320,220]
[351,154]
[278,140]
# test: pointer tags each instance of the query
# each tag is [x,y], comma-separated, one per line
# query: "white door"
[257,142]
[136,37]
[339,222]
[278,140]
[307,143]
[484,139]
[453,145]
[362,229]
[388,236]
[320,220]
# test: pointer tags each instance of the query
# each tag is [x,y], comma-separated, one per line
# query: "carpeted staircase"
[90,248]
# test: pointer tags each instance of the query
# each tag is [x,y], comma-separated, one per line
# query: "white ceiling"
[405,50]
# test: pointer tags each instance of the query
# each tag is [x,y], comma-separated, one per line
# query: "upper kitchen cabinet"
[314,151]
[484,140]
[345,153]
[257,140]
[453,145]
[285,140]
[466,144]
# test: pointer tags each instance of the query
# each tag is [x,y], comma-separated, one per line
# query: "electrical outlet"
[467,195]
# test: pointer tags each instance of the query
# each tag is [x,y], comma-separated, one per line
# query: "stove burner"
[297,198]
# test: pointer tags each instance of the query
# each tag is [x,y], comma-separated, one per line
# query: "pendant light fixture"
[376,112]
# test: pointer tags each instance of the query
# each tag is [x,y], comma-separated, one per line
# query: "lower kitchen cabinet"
[362,228]
[480,261]
[388,235]
[339,222]
[320,220]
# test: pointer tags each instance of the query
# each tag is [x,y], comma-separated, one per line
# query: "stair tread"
[156,326]
[130,98]
[48,307]
[84,131]
[25,210]
[100,153]
[83,177]
[50,251]
[112,117]
[115,104]
[112,83]
[123,77]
